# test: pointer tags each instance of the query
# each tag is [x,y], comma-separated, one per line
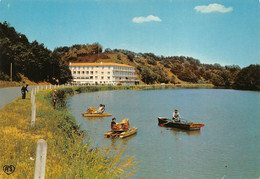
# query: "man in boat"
[176,116]
[115,126]
[100,110]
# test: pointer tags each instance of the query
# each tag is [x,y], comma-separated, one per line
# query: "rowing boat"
[121,133]
[96,114]
[188,125]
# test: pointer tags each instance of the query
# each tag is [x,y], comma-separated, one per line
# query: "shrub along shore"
[67,155]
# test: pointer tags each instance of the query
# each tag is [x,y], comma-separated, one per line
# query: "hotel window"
[96,71]
[102,72]
[78,72]
[91,72]
[87,72]
[74,72]
[83,72]
[91,77]
[108,72]
[108,77]
[102,77]
[96,77]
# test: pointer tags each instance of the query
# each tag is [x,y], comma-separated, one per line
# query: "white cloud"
[213,8]
[146,19]
[8,5]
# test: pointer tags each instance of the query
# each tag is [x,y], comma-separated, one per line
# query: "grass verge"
[67,155]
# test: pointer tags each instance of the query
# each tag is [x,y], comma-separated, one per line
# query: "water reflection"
[94,118]
[116,140]
[176,132]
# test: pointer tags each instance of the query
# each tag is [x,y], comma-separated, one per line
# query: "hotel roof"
[100,64]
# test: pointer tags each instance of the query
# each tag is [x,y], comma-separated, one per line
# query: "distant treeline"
[32,60]
[188,69]
[38,63]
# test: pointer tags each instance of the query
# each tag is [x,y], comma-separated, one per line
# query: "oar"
[188,121]
[165,123]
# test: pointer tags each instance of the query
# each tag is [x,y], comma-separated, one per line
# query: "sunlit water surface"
[227,147]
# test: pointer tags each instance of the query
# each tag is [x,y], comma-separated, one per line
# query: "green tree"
[248,78]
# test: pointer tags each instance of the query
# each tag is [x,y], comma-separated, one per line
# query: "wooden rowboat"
[121,134]
[96,114]
[181,125]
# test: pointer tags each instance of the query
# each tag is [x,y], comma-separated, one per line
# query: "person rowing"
[176,116]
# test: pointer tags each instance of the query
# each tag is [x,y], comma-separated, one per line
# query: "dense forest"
[38,63]
[32,60]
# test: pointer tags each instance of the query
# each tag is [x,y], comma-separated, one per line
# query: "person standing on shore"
[24,90]
[54,98]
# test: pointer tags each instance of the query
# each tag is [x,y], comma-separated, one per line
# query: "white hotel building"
[103,74]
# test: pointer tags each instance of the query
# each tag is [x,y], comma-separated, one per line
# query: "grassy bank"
[140,87]
[67,156]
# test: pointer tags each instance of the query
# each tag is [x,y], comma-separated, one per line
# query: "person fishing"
[176,116]
[24,90]
[54,98]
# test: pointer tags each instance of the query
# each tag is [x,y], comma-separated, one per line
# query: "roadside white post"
[32,96]
[40,163]
[37,89]
[33,114]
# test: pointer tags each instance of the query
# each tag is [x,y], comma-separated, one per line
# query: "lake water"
[227,147]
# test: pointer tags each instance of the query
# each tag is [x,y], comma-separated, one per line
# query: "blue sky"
[213,31]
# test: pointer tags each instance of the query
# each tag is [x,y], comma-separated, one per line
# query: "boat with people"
[93,112]
[120,131]
[183,124]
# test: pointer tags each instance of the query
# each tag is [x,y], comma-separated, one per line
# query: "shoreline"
[64,139]
[60,130]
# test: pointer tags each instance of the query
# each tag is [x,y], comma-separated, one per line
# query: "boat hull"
[96,115]
[181,125]
[121,134]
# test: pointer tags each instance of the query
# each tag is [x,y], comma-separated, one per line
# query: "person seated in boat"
[115,126]
[176,116]
[101,109]
[125,124]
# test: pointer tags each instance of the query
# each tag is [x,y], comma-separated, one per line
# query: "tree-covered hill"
[248,78]
[38,63]
[153,69]
[32,60]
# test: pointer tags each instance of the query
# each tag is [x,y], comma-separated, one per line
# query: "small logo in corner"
[9,169]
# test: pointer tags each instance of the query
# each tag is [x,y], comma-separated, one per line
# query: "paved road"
[8,95]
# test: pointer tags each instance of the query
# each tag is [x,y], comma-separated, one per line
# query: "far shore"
[9,84]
